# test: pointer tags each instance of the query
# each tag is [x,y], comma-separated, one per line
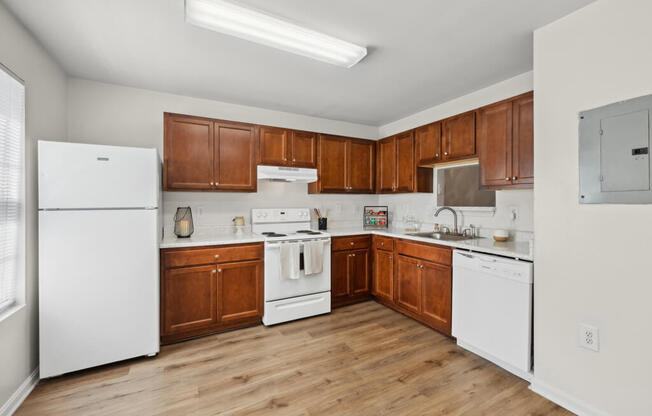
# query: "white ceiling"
[421,52]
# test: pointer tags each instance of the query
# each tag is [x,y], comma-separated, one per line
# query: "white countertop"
[516,249]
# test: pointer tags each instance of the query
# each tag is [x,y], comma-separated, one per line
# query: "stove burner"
[310,232]
[273,234]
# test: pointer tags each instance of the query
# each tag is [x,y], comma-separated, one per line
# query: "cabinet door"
[408,284]
[386,165]
[339,274]
[359,272]
[459,136]
[383,285]
[235,156]
[303,148]
[189,298]
[188,153]
[405,166]
[436,295]
[523,140]
[361,166]
[332,163]
[273,146]
[428,144]
[495,144]
[239,290]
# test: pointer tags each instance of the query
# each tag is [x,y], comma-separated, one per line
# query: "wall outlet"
[588,337]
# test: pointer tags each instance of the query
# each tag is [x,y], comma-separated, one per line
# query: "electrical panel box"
[614,150]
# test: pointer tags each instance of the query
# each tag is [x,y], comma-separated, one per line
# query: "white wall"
[45,89]
[593,261]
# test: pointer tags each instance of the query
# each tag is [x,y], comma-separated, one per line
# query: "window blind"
[12,138]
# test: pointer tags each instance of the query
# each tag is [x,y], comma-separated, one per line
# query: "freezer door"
[98,288]
[73,175]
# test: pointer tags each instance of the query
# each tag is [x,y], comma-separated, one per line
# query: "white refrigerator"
[99,231]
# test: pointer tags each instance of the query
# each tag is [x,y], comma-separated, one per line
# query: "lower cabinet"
[199,299]
[350,271]
[383,275]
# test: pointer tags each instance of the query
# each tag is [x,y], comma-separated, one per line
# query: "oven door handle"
[277,245]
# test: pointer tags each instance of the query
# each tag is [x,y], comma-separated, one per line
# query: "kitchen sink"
[443,236]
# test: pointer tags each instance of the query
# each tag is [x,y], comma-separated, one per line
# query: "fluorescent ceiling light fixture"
[252,25]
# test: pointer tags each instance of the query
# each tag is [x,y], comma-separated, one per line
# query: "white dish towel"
[313,257]
[290,253]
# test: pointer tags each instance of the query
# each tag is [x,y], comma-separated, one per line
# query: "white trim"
[20,394]
[525,375]
[6,313]
[564,400]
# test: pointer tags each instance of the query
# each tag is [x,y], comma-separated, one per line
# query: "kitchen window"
[12,174]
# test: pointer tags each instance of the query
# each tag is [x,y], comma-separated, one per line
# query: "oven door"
[277,288]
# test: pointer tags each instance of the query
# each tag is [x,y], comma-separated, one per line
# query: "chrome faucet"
[454,216]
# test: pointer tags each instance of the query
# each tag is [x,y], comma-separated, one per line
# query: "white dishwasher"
[492,309]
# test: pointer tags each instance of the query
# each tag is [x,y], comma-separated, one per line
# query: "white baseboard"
[564,400]
[20,394]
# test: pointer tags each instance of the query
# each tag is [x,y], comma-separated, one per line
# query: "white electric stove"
[287,300]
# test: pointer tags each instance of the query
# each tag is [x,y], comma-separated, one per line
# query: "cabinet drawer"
[427,252]
[383,243]
[210,255]
[350,243]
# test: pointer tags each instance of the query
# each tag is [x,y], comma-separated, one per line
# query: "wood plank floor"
[360,360]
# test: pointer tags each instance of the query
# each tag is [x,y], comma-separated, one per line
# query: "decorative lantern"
[183,227]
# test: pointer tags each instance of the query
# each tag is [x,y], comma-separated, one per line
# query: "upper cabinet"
[397,170]
[344,165]
[208,155]
[428,144]
[506,143]
[458,136]
[283,147]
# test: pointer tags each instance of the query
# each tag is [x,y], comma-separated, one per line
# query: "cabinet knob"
[382,243]
[352,255]
[513,178]
[506,179]
[217,183]
[445,153]
[437,155]
[219,270]
[211,184]
[217,256]
[294,160]
[285,159]
[351,243]
[214,271]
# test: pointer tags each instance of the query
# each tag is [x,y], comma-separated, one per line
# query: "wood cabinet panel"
[210,255]
[239,290]
[408,284]
[523,140]
[189,298]
[386,165]
[360,166]
[458,136]
[188,153]
[273,146]
[442,255]
[383,243]
[428,144]
[495,144]
[235,157]
[359,271]
[332,164]
[436,295]
[383,275]
[350,243]
[339,274]
[405,164]
[303,149]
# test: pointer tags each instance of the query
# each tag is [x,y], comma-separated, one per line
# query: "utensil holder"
[322,223]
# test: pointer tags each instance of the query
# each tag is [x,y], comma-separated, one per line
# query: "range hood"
[284,174]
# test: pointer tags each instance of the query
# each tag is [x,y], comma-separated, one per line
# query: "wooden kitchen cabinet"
[383,274]
[408,284]
[428,144]
[506,143]
[345,165]
[397,170]
[188,153]
[202,154]
[194,304]
[210,289]
[283,147]
[459,137]
[350,271]
[436,298]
